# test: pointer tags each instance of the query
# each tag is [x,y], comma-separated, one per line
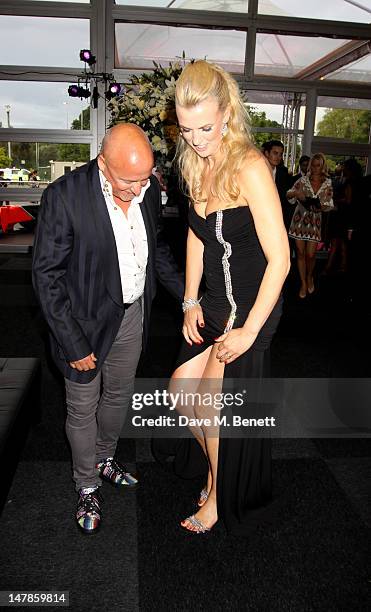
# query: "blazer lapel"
[149,213]
[105,237]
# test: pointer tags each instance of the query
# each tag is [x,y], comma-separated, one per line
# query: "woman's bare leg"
[187,378]
[212,382]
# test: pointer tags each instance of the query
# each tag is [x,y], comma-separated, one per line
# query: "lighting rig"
[82,89]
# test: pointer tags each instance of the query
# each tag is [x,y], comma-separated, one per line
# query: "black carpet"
[313,557]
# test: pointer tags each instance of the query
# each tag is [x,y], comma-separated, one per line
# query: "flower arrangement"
[149,101]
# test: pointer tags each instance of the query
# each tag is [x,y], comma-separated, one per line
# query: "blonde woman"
[312,195]
[237,240]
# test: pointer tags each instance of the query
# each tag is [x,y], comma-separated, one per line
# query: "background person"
[312,195]
[303,168]
[3,184]
[273,151]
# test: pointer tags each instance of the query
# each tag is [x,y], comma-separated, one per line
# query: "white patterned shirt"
[131,241]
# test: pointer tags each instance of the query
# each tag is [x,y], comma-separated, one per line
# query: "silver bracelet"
[189,303]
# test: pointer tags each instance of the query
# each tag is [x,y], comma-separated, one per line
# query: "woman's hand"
[299,193]
[233,344]
[193,318]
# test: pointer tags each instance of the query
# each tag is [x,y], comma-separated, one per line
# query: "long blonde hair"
[201,80]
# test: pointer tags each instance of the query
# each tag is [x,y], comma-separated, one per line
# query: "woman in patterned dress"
[312,195]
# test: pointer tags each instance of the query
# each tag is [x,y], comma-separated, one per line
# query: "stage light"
[76,91]
[87,56]
[114,89]
[73,91]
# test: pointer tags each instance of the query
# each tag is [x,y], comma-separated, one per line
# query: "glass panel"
[229,6]
[292,146]
[50,160]
[137,45]
[360,70]
[285,56]
[339,10]
[336,160]
[42,41]
[31,104]
[345,118]
[276,107]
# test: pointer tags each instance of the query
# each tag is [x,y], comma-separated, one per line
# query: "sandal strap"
[198,524]
[204,495]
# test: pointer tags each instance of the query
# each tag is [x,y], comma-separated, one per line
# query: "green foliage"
[76,152]
[5,161]
[76,123]
[348,124]
[259,119]
[73,152]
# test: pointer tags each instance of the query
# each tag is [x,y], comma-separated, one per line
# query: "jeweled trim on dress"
[226,269]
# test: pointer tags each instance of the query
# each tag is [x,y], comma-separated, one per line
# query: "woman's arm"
[194,270]
[258,188]
[296,192]
[194,265]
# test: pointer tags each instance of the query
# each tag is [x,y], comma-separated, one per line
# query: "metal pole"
[310,121]
[66,105]
[7,108]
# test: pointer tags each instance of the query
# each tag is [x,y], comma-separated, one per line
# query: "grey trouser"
[95,419]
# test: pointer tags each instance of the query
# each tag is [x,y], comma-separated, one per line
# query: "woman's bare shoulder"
[255,163]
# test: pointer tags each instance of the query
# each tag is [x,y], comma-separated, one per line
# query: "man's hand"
[83,365]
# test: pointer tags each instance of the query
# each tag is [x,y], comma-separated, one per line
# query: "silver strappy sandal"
[200,527]
[204,496]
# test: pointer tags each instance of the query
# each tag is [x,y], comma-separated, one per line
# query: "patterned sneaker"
[88,513]
[115,473]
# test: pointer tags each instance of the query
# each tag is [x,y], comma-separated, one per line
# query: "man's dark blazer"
[76,272]
[282,181]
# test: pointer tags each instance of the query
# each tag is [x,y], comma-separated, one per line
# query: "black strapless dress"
[234,265]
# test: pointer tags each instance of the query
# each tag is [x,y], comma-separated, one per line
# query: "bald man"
[97,253]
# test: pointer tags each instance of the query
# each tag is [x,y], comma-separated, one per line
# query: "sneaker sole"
[88,532]
[119,485]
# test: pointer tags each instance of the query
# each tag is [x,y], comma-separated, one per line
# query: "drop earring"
[224,129]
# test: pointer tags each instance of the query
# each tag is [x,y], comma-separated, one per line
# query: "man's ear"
[101,162]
